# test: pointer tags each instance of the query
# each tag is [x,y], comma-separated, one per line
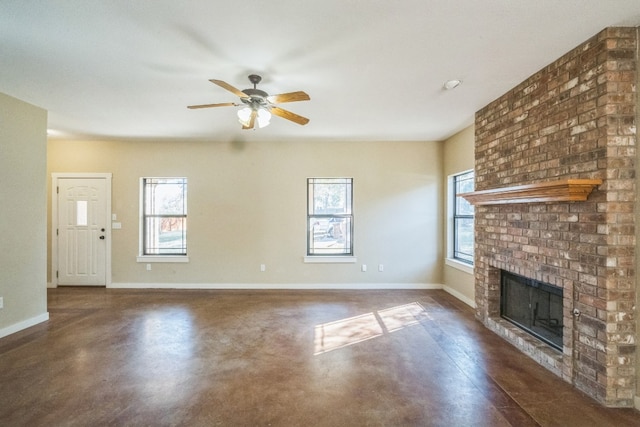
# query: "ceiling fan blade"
[224,104]
[289,116]
[230,88]
[252,120]
[288,97]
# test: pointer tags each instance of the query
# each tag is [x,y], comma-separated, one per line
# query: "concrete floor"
[276,358]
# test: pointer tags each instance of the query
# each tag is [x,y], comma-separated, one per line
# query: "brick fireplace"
[574,119]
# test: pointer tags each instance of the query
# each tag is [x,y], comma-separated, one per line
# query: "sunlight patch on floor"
[353,330]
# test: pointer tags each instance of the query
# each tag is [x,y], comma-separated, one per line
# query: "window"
[329,216]
[164,217]
[462,218]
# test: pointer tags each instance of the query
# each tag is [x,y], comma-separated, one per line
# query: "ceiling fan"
[258,104]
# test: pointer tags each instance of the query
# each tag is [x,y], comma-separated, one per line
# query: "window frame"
[455,216]
[348,255]
[143,253]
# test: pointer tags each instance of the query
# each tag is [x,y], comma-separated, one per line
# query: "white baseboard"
[16,327]
[275,286]
[51,285]
[460,296]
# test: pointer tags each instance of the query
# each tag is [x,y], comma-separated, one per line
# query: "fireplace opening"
[533,306]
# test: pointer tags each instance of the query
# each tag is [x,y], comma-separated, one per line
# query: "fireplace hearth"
[533,306]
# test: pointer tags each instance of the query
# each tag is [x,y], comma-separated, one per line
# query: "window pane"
[81,212]
[329,216]
[463,207]
[330,195]
[165,236]
[464,182]
[463,213]
[463,245]
[329,236]
[165,216]
[166,197]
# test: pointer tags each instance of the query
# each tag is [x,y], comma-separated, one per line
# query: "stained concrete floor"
[111,357]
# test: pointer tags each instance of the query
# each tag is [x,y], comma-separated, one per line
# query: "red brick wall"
[576,118]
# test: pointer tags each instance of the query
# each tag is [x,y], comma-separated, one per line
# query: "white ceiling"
[374,68]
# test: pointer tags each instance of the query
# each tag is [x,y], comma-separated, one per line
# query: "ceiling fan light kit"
[258,104]
[263,117]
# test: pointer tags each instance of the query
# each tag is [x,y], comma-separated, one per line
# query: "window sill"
[458,265]
[158,258]
[310,259]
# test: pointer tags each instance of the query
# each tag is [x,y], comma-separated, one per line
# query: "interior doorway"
[81,229]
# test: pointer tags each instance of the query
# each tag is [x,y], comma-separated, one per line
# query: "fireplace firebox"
[533,306]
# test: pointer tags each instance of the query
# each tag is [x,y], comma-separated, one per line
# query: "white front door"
[81,231]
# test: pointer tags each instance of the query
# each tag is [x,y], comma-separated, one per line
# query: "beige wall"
[458,157]
[23,133]
[247,206]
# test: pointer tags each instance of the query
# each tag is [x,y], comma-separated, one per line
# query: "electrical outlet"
[263,267]
[364,267]
[380,267]
[148,267]
[1,302]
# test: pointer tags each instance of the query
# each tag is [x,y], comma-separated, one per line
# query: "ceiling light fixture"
[259,105]
[262,115]
[244,116]
[452,84]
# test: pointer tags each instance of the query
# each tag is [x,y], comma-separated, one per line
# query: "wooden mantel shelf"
[566,190]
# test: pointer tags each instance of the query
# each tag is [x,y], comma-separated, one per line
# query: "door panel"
[82,221]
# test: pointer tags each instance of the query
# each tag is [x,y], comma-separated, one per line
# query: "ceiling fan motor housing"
[257,97]
[256,92]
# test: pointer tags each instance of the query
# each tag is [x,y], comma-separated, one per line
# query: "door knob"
[101,237]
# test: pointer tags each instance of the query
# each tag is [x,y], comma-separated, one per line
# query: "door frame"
[54,221]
